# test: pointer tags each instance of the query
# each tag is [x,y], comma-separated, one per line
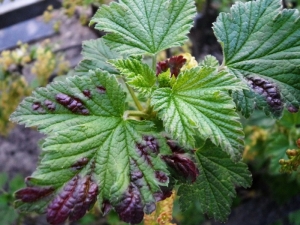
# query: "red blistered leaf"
[182,165]
[175,63]
[130,208]
[77,196]
[162,66]
[32,194]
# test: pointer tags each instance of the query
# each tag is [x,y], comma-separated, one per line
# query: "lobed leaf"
[215,185]
[91,145]
[196,105]
[260,40]
[145,27]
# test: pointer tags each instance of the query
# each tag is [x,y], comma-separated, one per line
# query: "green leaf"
[3,180]
[198,105]
[209,61]
[290,120]
[260,39]
[141,27]
[245,102]
[275,150]
[95,56]
[215,186]
[88,136]
[138,74]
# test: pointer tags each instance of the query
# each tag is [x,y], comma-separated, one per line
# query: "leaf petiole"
[135,113]
[134,98]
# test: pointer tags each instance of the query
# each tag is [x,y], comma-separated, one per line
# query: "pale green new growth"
[215,186]
[209,61]
[259,38]
[141,27]
[139,75]
[198,105]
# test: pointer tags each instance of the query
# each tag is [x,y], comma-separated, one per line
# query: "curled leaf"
[130,208]
[32,194]
[77,196]
[182,166]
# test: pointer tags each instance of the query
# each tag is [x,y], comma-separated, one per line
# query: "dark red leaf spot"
[142,151]
[163,194]
[268,90]
[36,106]
[50,105]
[32,194]
[151,143]
[136,175]
[182,165]
[147,147]
[161,176]
[87,93]
[174,146]
[293,109]
[77,196]
[130,207]
[80,163]
[72,103]
[101,89]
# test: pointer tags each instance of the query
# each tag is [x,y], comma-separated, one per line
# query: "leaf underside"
[261,41]
[199,105]
[145,27]
[89,142]
[215,185]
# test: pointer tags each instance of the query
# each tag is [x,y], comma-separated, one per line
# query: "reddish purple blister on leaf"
[267,90]
[77,196]
[130,208]
[163,194]
[87,93]
[80,163]
[182,165]
[72,103]
[151,143]
[101,89]
[161,176]
[32,194]
[36,106]
[293,109]
[50,105]
[174,146]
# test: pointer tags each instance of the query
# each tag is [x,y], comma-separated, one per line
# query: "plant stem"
[136,113]
[134,98]
[154,62]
